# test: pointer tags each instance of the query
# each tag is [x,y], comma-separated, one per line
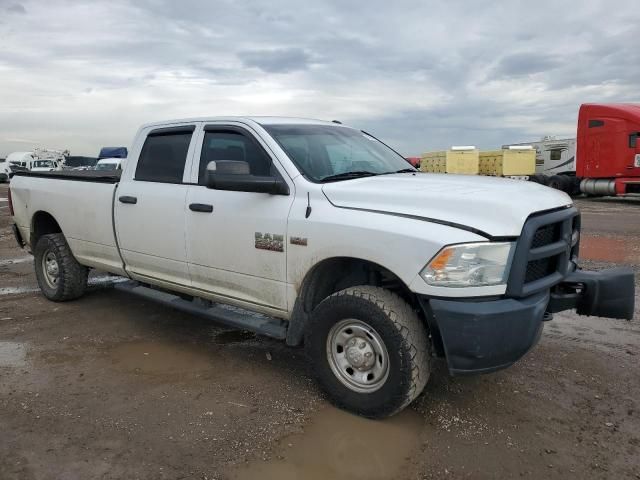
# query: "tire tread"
[73,275]
[409,326]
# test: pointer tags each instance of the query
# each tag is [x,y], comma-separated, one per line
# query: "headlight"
[470,265]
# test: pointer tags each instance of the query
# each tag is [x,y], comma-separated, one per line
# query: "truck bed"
[80,202]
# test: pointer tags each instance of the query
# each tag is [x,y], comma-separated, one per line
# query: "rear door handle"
[201,207]
[128,199]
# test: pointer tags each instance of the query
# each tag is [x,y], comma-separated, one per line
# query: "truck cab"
[608,148]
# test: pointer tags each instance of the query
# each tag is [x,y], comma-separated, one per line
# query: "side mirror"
[233,175]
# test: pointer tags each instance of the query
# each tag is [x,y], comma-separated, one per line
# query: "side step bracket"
[224,314]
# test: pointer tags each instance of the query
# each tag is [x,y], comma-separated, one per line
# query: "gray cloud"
[17,8]
[281,60]
[421,75]
[526,64]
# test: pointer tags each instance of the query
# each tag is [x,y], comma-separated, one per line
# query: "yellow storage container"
[434,162]
[464,160]
[508,162]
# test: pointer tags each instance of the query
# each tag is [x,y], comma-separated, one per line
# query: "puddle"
[57,358]
[13,261]
[101,281]
[161,358]
[17,290]
[233,336]
[609,249]
[12,354]
[338,445]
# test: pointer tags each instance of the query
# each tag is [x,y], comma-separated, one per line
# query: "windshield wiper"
[348,175]
[403,170]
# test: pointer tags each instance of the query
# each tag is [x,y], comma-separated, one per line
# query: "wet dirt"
[112,386]
[233,336]
[160,357]
[12,354]
[623,250]
[337,445]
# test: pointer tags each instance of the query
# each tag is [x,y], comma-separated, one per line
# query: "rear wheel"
[369,350]
[60,276]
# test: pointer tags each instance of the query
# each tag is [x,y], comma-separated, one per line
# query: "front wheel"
[369,349]
[60,276]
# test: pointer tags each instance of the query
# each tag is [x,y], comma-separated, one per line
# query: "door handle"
[201,207]
[128,199]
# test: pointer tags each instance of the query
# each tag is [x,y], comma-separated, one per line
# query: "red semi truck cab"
[608,149]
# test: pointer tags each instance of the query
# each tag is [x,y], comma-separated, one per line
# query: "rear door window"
[164,155]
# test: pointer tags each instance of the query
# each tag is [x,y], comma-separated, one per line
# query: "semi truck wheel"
[556,182]
[369,350]
[60,276]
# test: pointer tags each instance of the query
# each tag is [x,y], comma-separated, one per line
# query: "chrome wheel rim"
[357,356]
[50,269]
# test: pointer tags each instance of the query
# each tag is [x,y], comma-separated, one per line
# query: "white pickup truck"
[330,239]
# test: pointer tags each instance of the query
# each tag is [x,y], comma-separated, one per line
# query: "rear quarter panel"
[82,210]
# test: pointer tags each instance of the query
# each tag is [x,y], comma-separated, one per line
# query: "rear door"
[236,241]
[150,207]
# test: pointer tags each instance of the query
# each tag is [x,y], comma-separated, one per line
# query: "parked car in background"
[39,160]
[5,171]
[44,166]
[109,164]
[78,162]
[113,152]
[19,161]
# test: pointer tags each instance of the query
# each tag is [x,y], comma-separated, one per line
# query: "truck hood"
[497,207]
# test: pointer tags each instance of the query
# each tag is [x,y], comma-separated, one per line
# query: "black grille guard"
[564,251]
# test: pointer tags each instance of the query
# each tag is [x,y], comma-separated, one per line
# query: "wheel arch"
[42,223]
[333,274]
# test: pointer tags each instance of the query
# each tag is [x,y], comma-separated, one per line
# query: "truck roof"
[266,120]
[628,111]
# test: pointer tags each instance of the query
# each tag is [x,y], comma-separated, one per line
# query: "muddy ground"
[110,386]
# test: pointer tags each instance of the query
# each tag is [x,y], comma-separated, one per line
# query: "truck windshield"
[42,164]
[325,153]
[106,166]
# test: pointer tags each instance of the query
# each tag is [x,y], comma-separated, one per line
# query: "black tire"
[71,280]
[404,336]
[557,182]
[539,178]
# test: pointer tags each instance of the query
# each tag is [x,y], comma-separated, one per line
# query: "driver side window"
[232,145]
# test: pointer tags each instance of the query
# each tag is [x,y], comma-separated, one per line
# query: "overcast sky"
[421,75]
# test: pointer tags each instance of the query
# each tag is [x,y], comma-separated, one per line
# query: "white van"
[110,164]
[21,161]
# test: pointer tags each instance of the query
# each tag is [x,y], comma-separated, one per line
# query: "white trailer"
[555,162]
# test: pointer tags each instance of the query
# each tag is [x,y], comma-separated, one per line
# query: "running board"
[224,314]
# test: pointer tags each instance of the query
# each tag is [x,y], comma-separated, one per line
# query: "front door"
[150,209]
[236,241]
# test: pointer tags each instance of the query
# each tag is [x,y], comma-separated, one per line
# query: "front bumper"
[484,336]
